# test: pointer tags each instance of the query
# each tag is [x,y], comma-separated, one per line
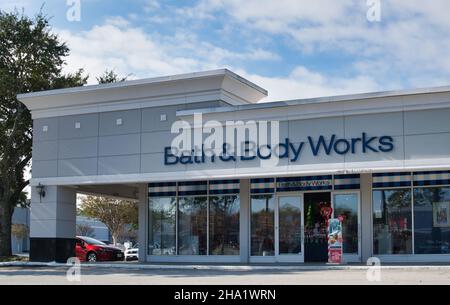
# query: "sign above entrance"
[311,183]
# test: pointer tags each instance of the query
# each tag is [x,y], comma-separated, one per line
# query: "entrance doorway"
[316,245]
[292,227]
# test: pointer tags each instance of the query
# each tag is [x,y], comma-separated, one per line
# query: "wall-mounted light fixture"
[41,191]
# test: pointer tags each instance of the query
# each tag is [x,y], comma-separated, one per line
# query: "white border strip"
[244,173]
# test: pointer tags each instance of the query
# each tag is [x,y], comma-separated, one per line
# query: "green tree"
[110,76]
[115,214]
[31,59]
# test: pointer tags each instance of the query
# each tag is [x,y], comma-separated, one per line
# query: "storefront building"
[380,160]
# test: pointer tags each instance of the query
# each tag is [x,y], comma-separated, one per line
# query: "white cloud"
[413,37]
[303,83]
[127,49]
[118,21]
[272,15]
[11,5]
[151,5]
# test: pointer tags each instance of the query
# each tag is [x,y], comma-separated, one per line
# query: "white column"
[52,224]
[366,217]
[244,219]
[143,224]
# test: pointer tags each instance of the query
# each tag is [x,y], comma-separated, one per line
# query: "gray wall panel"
[131,122]
[427,121]
[118,165]
[155,142]
[78,148]
[42,169]
[427,146]
[299,130]
[45,150]
[77,167]
[151,163]
[385,124]
[51,125]
[119,145]
[88,126]
[151,118]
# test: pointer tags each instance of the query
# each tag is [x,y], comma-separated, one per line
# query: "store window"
[432,220]
[162,224]
[192,225]
[262,225]
[392,221]
[224,225]
[347,206]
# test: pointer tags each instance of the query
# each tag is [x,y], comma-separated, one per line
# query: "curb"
[227,267]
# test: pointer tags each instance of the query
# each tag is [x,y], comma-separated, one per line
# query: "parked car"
[91,250]
[132,254]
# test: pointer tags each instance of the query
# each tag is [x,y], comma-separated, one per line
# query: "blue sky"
[293,48]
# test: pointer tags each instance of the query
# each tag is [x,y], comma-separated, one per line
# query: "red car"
[91,250]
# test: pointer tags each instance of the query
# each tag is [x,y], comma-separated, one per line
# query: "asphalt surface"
[121,276]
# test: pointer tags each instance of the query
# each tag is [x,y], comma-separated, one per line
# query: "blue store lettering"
[286,150]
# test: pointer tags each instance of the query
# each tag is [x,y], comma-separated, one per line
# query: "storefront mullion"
[413,228]
[208,202]
[176,222]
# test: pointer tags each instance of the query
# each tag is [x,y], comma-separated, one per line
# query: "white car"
[131,254]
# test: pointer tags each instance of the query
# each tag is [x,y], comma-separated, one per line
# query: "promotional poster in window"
[335,241]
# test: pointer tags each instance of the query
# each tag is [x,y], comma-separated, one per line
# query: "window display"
[431,220]
[392,221]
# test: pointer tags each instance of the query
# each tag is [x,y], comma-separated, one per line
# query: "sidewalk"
[233,267]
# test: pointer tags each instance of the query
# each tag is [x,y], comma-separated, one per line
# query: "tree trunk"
[114,238]
[5,228]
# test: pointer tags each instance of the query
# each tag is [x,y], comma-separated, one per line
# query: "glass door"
[347,206]
[289,229]
[317,208]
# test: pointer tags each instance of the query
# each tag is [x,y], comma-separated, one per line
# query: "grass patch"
[13,259]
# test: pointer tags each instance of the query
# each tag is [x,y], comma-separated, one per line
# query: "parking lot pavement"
[123,276]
